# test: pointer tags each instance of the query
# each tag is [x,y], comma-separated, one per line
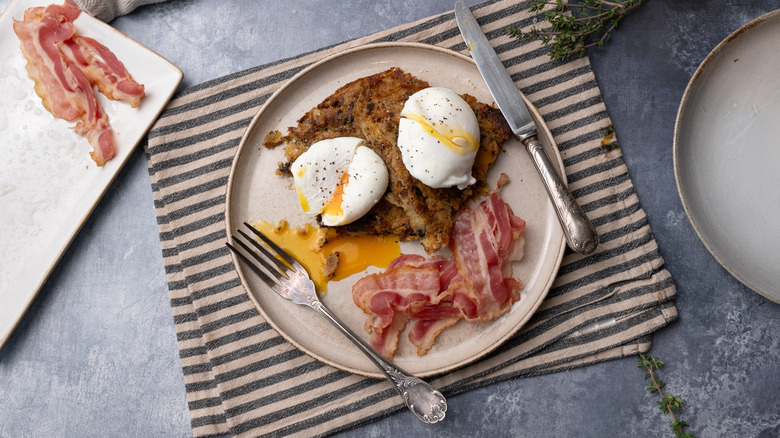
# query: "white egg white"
[438,136]
[339,179]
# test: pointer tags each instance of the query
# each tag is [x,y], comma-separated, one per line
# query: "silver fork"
[291,281]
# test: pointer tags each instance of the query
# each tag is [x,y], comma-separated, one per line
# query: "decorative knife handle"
[579,231]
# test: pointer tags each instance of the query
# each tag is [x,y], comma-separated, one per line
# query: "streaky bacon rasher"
[66,66]
[438,292]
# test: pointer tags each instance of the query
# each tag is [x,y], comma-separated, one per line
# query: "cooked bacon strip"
[438,292]
[385,340]
[391,298]
[65,66]
[424,331]
[481,247]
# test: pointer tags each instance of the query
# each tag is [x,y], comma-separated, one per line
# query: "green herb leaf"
[668,403]
[575,25]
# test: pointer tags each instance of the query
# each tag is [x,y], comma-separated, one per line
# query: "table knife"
[579,231]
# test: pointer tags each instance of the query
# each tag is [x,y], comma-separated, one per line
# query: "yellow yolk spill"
[333,207]
[456,139]
[355,253]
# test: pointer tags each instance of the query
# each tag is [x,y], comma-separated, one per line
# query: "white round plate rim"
[379,57]
[729,55]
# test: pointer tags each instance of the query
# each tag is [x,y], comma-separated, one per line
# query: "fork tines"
[268,260]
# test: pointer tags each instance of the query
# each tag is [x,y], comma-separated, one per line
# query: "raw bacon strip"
[64,89]
[438,292]
[103,69]
[40,33]
[65,66]
[93,122]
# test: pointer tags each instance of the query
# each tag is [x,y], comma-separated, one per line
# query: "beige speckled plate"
[727,153]
[255,192]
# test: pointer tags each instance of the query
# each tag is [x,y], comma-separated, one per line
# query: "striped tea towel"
[243,378]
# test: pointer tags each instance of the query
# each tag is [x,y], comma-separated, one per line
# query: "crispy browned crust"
[369,108]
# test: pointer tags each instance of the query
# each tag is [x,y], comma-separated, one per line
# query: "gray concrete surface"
[96,354]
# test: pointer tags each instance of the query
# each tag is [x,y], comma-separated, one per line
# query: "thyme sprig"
[575,25]
[669,403]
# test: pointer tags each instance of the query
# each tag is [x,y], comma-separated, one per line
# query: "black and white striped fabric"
[243,378]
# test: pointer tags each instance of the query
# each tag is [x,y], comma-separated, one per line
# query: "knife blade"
[580,234]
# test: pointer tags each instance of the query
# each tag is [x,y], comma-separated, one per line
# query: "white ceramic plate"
[727,153]
[48,183]
[255,192]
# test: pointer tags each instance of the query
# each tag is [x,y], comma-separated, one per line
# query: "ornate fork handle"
[421,398]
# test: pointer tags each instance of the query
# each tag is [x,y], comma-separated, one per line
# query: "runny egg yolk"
[334,206]
[454,137]
[355,254]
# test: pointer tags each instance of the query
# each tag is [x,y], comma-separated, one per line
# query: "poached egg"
[339,179]
[438,136]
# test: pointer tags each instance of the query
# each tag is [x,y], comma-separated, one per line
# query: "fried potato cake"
[369,108]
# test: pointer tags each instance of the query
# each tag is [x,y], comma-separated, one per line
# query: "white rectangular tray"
[48,183]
